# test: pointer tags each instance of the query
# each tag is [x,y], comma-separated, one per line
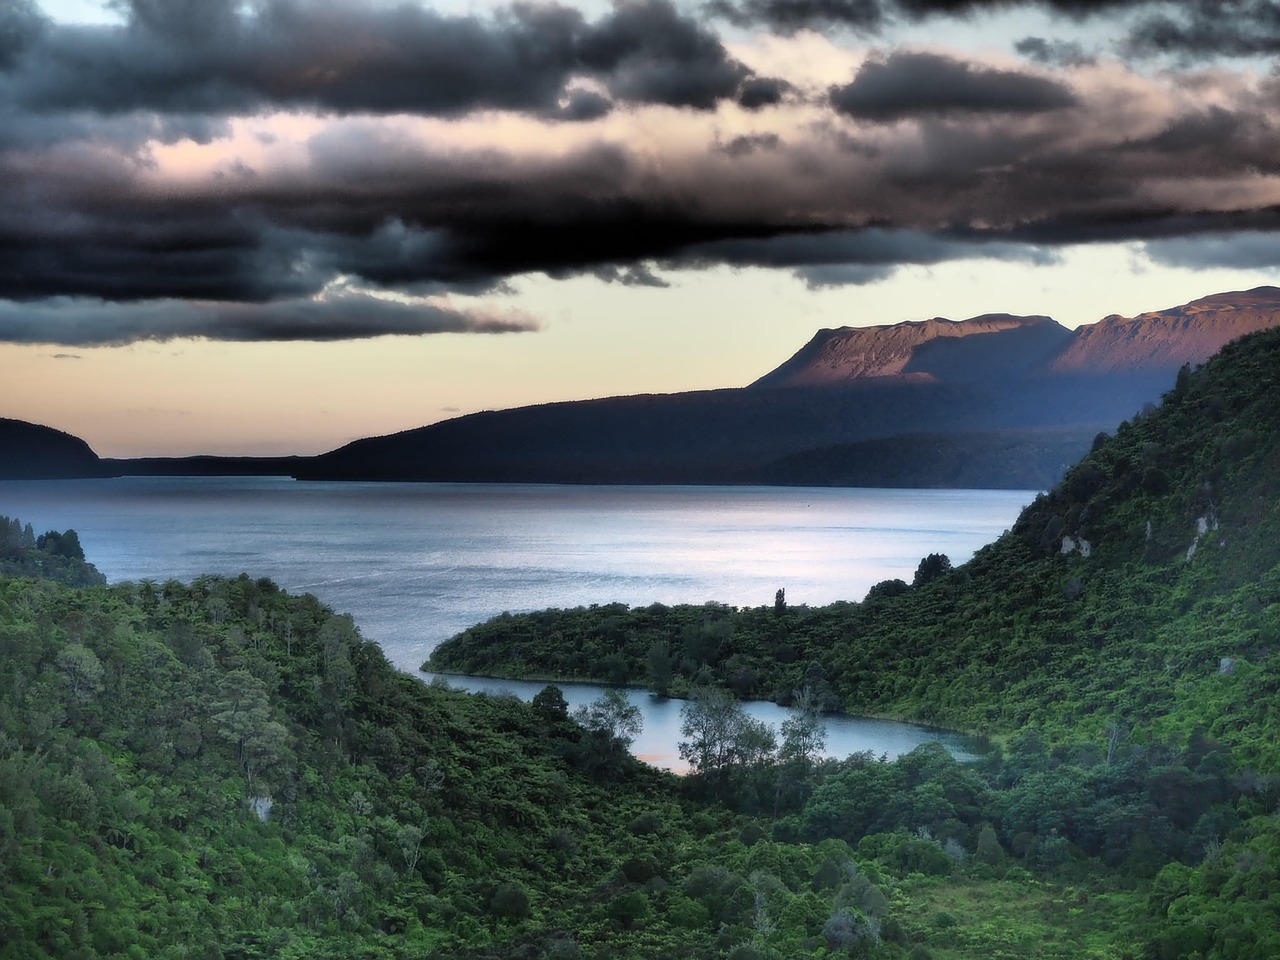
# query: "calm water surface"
[417,563]
[658,741]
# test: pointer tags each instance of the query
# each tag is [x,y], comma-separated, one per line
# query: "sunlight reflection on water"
[417,563]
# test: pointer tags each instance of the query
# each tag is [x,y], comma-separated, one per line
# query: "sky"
[272,227]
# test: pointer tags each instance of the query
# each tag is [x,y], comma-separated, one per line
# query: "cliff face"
[1000,345]
[1166,339]
[938,349]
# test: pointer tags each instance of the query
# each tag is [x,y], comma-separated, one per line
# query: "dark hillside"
[1010,459]
[727,436]
[29,451]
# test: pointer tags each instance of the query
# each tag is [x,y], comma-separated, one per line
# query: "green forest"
[222,770]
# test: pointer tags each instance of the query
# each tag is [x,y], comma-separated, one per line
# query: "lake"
[416,563]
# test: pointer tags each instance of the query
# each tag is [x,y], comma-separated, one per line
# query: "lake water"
[658,742]
[416,563]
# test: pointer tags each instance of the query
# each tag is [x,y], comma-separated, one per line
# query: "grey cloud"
[1190,30]
[652,54]
[840,257]
[910,84]
[20,26]
[748,144]
[209,56]
[843,275]
[990,167]
[870,17]
[1208,29]
[636,275]
[1239,251]
[1075,9]
[345,316]
[788,16]
[581,105]
[757,93]
[1053,52]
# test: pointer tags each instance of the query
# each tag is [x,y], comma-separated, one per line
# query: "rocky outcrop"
[1167,339]
[936,349]
[1013,347]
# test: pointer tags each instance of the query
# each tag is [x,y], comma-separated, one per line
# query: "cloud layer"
[204,171]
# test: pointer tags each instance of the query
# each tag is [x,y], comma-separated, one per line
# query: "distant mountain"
[995,400]
[1008,346]
[30,451]
[1166,339]
[202,466]
[937,349]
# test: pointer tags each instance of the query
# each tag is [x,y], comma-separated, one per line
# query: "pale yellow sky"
[715,328]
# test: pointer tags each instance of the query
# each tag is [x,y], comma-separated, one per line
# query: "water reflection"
[658,742]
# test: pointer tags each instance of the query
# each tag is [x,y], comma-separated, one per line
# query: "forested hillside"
[1142,590]
[49,556]
[1131,616]
[222,770]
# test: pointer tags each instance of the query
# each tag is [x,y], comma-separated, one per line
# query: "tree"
[931,568]
[550,702]
[720,740]
[82,670]
[66,544]
[510,902]
[409,838]
[804,736]
[242,716]
[658,667]
[613,716]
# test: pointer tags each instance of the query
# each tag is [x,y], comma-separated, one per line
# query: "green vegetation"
[1124,633]
[222,770]
[1142,591]
[51,556]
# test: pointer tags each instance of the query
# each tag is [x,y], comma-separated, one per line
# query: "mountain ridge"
[844,408]
[842,354]
[1157,341]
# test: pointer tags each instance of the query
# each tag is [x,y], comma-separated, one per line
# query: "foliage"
[1122,641]
[51,556]
[221,769]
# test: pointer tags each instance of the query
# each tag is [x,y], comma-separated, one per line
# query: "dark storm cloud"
[749,143]
[1232,251]
[1076,9]
[756,93]
[205,56]
[345,316]
[385,211]
[1186,29]
[1053,52]
[921,159]
[838,257]
[650,53]
[788,16]
[910,84]
[637,275]
[871,17]
[1207,29]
